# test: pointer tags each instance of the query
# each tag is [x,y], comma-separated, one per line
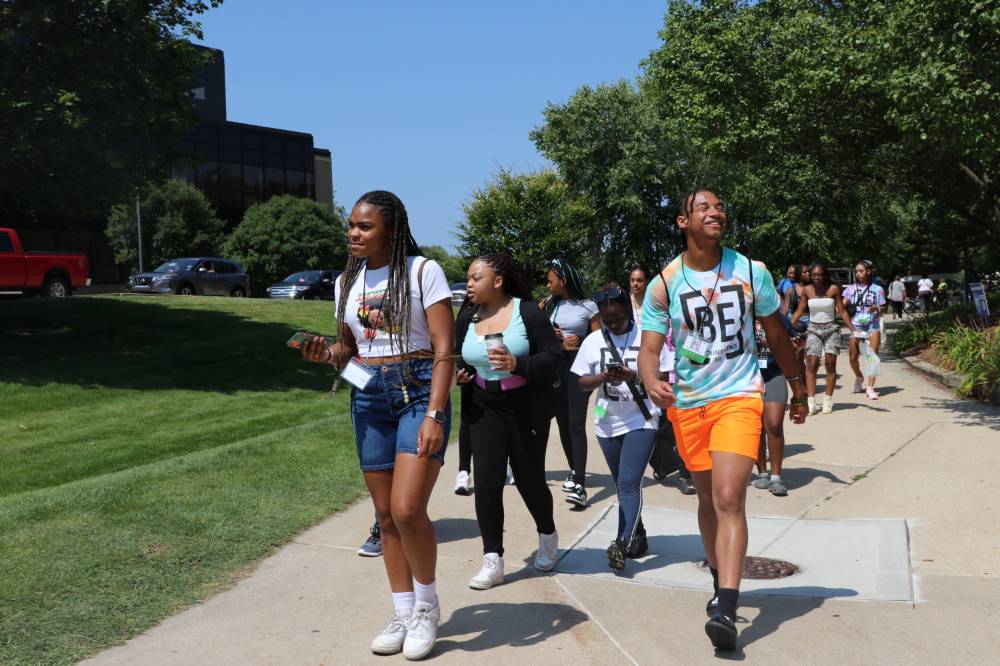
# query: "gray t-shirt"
[573,316]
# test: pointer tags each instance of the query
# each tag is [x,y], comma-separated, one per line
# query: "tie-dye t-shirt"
[730,369]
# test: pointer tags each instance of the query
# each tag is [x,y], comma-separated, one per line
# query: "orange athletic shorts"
[731,425]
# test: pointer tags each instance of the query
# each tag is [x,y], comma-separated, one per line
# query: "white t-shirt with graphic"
[715,305]
[621,413]
[364,301]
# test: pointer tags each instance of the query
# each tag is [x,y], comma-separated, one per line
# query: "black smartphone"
[305,337]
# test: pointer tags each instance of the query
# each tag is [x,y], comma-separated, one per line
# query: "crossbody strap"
[633,389]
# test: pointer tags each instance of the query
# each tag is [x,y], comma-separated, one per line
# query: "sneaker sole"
[417,656]
[464,492]
[722,636]
[576,502]
[366,554]
[567,490]
[386,651]
[545,567]
[483,586]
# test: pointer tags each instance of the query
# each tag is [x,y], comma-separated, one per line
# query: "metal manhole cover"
[764,568]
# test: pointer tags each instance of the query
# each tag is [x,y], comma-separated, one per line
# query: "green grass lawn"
[153,449]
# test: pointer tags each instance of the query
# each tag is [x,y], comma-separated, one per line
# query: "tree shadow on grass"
[495,625]
[146,343]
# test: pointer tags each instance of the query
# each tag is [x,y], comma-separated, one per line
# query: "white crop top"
[364,301]
[821,310]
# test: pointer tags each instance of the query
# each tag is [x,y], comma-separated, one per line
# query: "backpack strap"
[633,389]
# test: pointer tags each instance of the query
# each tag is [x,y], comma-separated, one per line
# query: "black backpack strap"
[633,389]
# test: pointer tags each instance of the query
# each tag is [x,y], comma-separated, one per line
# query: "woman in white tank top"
[824,301]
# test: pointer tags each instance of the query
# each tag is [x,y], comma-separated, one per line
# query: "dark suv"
[309,285]
[203,276]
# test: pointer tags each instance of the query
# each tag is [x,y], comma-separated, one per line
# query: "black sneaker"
[578,497]
[639,545]
[721,631]
[712,606]
[616,555]
[686,486]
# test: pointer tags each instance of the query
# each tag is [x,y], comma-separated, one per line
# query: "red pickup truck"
[45,273]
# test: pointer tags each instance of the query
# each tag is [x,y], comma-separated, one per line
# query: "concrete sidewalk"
[915,472]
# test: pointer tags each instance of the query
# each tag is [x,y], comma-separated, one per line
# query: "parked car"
[202,276]
[54,274]
[313,285]
[458,293]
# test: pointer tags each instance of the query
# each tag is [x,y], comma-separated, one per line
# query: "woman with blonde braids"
[395,348]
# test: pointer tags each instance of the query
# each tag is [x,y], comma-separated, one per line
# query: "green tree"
[533,216]
[177,221]
[287,234]
[612,150]
[455,268]
[93,93]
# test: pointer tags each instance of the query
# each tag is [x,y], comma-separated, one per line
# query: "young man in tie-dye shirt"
[708,300]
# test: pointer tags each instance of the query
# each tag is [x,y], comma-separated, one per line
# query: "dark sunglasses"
[613,294]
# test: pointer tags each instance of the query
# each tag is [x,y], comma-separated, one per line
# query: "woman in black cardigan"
[510,355]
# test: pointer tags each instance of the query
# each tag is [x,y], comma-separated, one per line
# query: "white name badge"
[357,375]
[695,348]
[762,362]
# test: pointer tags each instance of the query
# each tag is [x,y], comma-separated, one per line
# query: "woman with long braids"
[395,348]
[573,316]
[510,355]
[823,300]
[711,295]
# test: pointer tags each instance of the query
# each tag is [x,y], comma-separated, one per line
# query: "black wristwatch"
[436,414]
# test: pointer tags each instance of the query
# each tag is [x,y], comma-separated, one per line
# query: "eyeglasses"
[612,294]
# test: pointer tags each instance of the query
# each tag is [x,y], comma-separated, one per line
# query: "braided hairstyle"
[574,285]
[503,264]
[396,303]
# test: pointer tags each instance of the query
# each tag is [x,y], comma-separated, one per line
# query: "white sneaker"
[390,639]
[510,476]
[569,484]
[422,631]
[548,551]
[490,574]
[813,407]
[462,484]
[827,404]
[857,385]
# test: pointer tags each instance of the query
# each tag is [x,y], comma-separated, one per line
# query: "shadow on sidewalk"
[776,610]
[964,412]
[455,529]
[799,477]
[664,550]
[497,624]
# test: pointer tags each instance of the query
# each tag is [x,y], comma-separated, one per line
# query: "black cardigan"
[539,367]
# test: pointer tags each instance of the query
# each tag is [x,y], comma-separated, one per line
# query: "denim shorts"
[387,418]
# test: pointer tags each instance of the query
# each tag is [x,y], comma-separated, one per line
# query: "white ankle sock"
[403,602]
[425,594]
[775,477]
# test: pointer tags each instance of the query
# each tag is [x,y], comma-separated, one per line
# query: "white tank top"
[821,310]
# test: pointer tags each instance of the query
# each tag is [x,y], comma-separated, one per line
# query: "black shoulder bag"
[852,306]
[631,385]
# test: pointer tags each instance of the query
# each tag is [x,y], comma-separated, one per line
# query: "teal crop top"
[515,338]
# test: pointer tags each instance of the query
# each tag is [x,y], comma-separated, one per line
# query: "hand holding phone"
[303,338]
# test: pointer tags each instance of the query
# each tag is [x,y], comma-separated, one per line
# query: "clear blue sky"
[426,99]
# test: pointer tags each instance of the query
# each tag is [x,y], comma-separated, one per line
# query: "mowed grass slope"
[151,450]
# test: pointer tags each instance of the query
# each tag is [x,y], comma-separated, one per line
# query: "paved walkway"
[915,473]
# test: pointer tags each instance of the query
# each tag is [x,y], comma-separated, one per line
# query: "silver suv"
[203,276]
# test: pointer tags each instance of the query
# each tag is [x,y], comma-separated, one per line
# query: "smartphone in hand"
[303,338]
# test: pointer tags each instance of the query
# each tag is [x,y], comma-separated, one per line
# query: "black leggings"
[500,427]
[464,438]
[571,403]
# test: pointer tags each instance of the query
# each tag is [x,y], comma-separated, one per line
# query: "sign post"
[979,299]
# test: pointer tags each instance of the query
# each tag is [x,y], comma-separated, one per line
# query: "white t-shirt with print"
[622,415]
[364,302]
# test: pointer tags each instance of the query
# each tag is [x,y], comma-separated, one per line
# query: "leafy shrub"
[286,234]
[177,221]
[975,352]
